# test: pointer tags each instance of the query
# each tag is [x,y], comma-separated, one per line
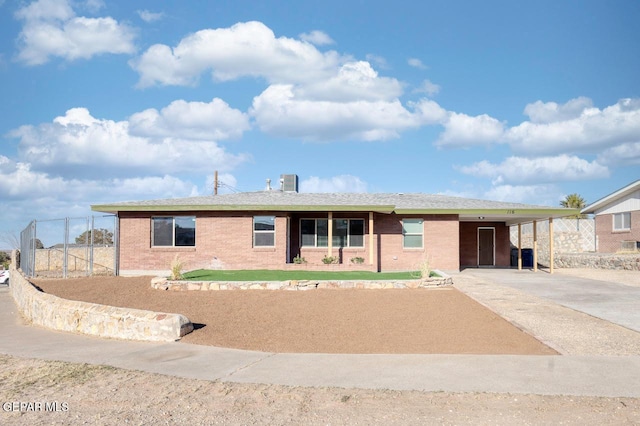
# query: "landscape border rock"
[162,283]
[56,313]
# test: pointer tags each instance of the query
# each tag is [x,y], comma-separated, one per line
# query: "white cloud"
[518,170]
[416,63]
[148,16]
[576,127]
[319,38]
[51,28]
[353,81]
[622,155]
[379,61]
[544,195]
[342,183]
[551,112]
[279,112]
[78,141]
[464,131]
[93,6]
[245,49]
[193,120]
[428,87]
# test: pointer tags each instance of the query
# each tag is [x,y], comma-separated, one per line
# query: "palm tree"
[574,201]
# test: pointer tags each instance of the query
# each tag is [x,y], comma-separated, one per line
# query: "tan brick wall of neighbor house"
[611,242]
[469,243]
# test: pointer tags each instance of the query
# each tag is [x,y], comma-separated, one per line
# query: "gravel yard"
[426,321]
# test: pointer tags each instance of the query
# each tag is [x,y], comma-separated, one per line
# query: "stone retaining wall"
[629,262]
[162,283]
[56,313]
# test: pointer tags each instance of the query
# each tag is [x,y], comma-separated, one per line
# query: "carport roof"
[400,203]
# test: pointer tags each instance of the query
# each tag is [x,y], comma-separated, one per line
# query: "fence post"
[93,230]
[65,255]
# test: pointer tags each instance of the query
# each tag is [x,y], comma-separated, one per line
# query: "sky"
[106,101]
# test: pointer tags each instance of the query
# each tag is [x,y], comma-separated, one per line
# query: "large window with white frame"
[264,231]
[346,232]
[622,221]
[412,233]
[173,231]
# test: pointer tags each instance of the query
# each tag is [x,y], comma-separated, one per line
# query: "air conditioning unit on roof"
[289,183]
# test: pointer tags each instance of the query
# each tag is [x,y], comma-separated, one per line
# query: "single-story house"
[274,229]
[617,218]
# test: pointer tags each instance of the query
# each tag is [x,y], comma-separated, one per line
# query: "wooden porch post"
[330,234]
[551,245]
[535,246]
[370,238]
[519,247]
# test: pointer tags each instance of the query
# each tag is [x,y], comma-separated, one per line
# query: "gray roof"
[378,202]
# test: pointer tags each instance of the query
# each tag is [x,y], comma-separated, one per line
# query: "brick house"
[617,218]
[269,229]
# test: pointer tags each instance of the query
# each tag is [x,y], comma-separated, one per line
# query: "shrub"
[177,265]
[328,260]
[299,260]
[358,260]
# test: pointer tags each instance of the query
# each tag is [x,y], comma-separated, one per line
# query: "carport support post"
[370,238]
[551,245]
[535,246]
[519,247]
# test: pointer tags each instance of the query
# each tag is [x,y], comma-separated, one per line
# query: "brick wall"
[225,241]
[611,242]
[469,243]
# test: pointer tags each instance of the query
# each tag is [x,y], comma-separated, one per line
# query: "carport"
[483,220]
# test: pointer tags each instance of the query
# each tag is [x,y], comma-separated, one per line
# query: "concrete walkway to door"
[611,301]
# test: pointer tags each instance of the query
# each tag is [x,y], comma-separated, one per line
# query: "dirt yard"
[88,394]
[425,321]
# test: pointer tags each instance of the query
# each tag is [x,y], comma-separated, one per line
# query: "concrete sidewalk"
[550,375]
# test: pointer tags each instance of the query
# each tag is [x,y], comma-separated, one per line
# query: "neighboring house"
[617,219]
[269,229]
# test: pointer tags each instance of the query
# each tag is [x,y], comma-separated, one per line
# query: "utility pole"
[215,183]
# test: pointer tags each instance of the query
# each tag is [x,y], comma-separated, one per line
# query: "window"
[412,233]
[264,231]
[179,231]
[346,232]
[622,221]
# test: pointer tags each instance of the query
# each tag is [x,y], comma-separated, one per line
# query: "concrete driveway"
[611,301]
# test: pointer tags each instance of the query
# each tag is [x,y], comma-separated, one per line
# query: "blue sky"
[106,101]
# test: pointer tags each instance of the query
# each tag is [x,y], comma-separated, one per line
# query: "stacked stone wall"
[56,313]
[628,262]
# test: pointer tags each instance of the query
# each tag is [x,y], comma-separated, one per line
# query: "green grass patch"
[274,275]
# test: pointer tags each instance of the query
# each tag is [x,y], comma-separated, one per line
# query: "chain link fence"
[70,247]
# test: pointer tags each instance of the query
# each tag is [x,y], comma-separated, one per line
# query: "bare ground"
[424,321]
[109,396]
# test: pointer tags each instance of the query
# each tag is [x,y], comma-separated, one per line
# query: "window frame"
[333,221]
[622,215]
[173,233]
[264,232]
[410,234]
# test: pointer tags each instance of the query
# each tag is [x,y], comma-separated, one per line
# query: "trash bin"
[527,258]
